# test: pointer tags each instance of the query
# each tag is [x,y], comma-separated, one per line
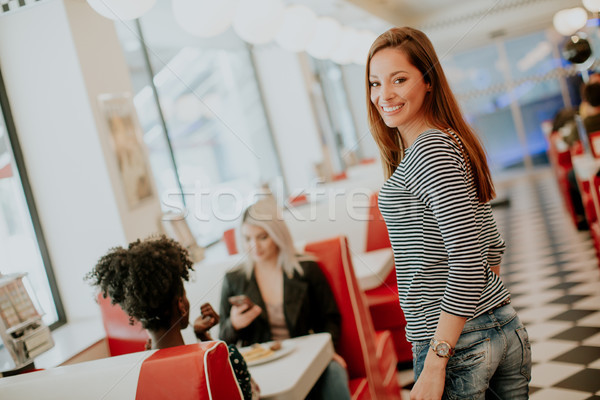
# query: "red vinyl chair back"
[594,138]
[200,371]
[357,341]
[122,337]
[377,233]
[577,149]
[229,239]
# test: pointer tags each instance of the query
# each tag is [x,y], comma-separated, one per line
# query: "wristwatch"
[441,348]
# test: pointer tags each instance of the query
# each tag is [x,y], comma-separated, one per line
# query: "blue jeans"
[492,359]
[332,385]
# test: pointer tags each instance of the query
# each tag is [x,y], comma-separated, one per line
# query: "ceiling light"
[344,51]
[204,18]
[328,33]
[570,20]
[258,21]
[297,28]
[592,5]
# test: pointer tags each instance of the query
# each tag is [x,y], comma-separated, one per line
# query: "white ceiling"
[454,25]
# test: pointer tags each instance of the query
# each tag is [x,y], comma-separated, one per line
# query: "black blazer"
[308,306]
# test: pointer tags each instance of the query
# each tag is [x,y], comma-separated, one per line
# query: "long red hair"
[441,109]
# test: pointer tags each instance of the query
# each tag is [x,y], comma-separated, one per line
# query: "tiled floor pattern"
[552,273]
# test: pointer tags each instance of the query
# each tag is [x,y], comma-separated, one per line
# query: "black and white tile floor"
[552,273]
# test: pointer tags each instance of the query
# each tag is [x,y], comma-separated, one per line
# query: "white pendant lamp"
[363,44]
[592,5]
[570,20]
[121,10]
[328,33]
[258,21]
[344,51]
[204,18]
[297,28]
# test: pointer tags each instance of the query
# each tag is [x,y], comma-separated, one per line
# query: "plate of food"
[261,353]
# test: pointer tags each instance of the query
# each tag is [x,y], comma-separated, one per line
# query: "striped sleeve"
[438,179]
[497,245]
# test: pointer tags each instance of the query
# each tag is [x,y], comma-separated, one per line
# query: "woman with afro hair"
[146,280]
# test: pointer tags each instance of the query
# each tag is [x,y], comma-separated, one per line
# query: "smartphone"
[240,300]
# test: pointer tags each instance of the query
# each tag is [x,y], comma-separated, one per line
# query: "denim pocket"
[419,350]
[467,373]
[526,346]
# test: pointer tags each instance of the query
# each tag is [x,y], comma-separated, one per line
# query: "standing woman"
[467,339]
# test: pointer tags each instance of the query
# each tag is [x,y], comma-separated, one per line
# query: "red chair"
[229,239]
[196,371]
[562,164]
[594,138]
[595,225]
[339,177]
[383,300]
[298,200]
[377,233]
[369,355]
[366,161]
[123,338]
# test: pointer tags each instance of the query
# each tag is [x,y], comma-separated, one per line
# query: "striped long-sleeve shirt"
[444,239]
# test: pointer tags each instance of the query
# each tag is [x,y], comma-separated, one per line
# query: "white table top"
[585,166]
[373,267]
[292,376]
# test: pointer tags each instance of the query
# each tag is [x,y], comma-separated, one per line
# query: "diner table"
[372,268]
[292,376]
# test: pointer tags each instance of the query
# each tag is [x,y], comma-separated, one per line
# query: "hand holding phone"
[243,312]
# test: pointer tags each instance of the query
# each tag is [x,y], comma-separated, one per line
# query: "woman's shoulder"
[312,270]
[236,275]
[436,139]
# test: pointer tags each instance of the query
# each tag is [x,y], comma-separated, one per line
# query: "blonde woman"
[288,294]
[468,342]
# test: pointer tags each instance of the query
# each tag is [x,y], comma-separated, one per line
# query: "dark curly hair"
[144,279]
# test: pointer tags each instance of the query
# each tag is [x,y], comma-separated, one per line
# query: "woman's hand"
[431,382]
[243,315]
[207,319]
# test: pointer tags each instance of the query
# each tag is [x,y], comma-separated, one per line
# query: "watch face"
[443,349]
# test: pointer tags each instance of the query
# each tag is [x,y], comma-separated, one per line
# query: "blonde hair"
[441,109]
[267,215]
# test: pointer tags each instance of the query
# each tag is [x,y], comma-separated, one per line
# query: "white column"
[56,58]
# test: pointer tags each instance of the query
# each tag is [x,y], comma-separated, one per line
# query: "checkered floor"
[552,273]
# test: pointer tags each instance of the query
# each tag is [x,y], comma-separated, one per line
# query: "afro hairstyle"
[145,279]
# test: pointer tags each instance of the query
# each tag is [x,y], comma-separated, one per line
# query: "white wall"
[52,80]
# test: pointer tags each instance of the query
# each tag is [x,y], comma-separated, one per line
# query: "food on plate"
[276,345]
[256,352]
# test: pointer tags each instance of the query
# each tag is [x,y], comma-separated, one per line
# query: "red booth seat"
[369,356]
[199,371]
[122,337]
[383,300]
[229,239]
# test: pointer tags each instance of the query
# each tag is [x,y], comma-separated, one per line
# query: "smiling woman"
[447,248]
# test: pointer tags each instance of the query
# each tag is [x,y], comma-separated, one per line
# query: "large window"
[22,247]
[507,89]
[222,150]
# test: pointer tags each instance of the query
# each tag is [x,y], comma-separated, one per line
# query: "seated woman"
[146,280]
[291,295]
